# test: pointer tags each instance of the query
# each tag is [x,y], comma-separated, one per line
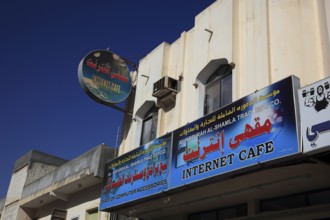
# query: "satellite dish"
[105,77]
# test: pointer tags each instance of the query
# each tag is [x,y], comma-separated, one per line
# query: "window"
[58,214]
[92,214]
[319,197]
[211,215]
[114,216]
[294,201]
[233,211]
[149,125]
[282,203]
[222,213]
[218,89]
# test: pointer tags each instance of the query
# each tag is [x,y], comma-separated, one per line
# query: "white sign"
[314,102]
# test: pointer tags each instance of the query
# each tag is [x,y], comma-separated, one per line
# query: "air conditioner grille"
[164,87]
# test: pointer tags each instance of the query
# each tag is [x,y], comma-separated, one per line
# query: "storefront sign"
[105,77]
[257,128]
[315,115]
[138,174]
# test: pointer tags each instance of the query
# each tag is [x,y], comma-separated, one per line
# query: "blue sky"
[43,106]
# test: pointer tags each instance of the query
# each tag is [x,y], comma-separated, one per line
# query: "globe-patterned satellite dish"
[105,77]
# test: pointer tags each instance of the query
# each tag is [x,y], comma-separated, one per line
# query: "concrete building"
[266,40]
[236,48]
[47,187]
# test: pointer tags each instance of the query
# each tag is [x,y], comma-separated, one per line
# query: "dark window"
[319,197]
[114,216]
[58,214]
[222,213]
[218,89]
[149,126]
[232,212]
[282,203]
[296,201]
[212,215]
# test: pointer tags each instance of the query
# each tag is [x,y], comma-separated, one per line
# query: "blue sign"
[138,174]
[105,77]
[257,128]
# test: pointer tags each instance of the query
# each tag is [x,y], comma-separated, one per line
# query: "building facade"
[265,40]
[46,187]
[235,49]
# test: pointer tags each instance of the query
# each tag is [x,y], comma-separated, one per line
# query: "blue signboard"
[138,174]
[257,128]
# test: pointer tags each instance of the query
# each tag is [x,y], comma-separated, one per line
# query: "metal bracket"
[211,33]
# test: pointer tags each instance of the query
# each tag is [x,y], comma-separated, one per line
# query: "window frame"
[91,211]
[241,210]
[217,78]
[56,216]
[151,114]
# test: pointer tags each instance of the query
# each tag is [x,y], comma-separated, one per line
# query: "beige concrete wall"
[267,40]
[10,211]
[78,210]
[16,185]
[77,206]
[38,170]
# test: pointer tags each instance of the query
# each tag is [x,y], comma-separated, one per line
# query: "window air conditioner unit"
[164,87]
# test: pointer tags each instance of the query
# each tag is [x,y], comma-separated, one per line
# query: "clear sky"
[43,106]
